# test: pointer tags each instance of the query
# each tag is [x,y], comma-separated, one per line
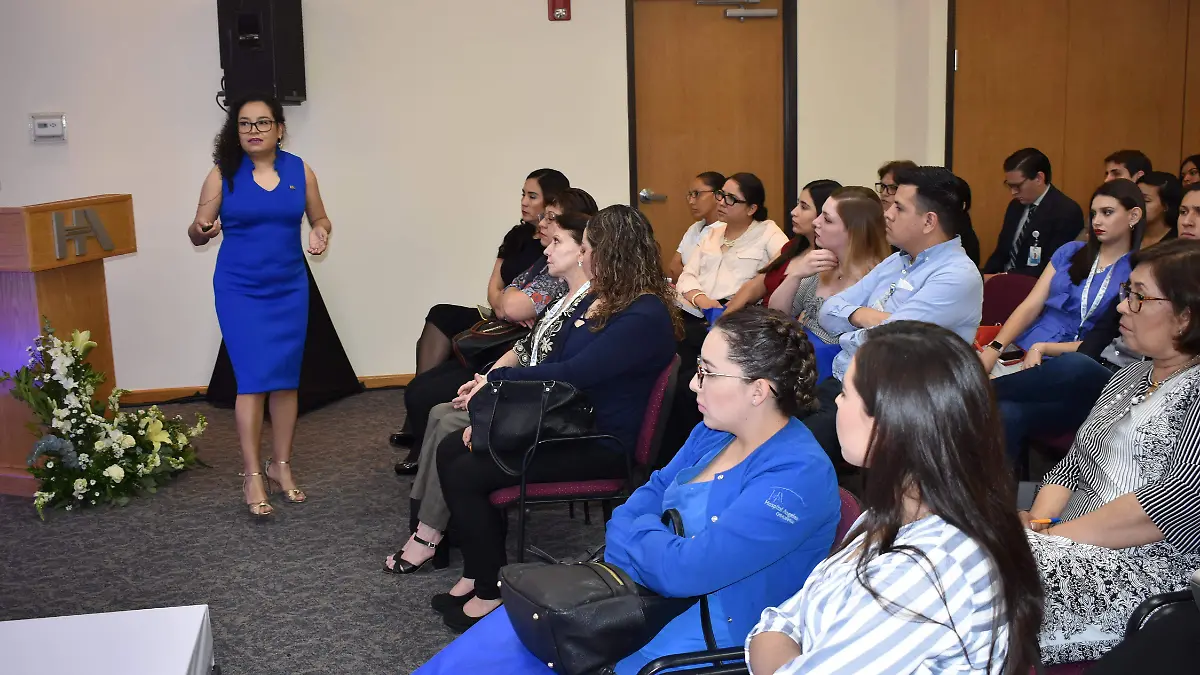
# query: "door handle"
[647,195]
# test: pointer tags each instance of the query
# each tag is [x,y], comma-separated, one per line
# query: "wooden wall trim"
[166,395]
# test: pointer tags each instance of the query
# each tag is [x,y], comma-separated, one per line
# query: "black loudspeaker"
[262,49]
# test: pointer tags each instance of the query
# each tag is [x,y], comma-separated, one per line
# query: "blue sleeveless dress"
[261,281]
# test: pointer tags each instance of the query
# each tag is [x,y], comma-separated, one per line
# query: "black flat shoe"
[401,439]
[402,566]
[406,468]
[444,602]
[458,621]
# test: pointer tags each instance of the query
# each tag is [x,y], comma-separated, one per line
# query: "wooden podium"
[52,266]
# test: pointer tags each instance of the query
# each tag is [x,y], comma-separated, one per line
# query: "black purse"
[509,419]
[485,342]
[581,618]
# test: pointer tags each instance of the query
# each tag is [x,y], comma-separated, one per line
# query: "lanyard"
[551,317]
[1084,309]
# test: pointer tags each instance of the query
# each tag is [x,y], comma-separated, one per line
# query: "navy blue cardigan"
[773,519]
[616,367]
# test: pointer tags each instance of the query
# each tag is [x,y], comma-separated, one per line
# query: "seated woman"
[763,285]
[1123,500]
[1080,279]
[755,374]
[521,302]
[703,206]
[851,239]
[611,337]
[1189,170]
[934,577]
[520,248]
[1163,194]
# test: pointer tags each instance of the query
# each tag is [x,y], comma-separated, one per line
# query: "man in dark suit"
[1039,219]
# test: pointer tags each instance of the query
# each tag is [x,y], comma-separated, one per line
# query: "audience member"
[1121,505]
[611,340]
[1127,164]
[1189,170]
[1039,219]
[1189,213]
[1079,280]
[1163,194]
[934,576]
[521,247]
[966,230]
[851,240]
[260,284]
[931,279]
[764,284]
[703,205]
[530,293]
[758,496]
[886,187]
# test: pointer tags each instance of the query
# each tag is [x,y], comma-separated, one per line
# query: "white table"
[167,641]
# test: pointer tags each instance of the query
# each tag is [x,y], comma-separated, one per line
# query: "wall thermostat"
[48,127]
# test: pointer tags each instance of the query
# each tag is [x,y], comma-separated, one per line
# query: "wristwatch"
[996,344]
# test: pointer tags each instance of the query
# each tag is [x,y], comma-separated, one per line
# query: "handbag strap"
[672,518]
[537,438]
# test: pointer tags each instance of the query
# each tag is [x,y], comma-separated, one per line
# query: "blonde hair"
[861,212]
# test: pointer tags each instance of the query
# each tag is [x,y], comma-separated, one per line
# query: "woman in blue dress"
[1078,285]
[257,194]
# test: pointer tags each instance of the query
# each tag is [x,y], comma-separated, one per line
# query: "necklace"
[1154,386]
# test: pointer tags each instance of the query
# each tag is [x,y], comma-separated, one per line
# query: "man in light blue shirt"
[931,279]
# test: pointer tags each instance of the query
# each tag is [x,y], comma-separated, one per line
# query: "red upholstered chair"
[851,510]
[606,490]
[1001,295]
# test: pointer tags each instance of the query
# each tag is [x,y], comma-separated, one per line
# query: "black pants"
[437,385]
[1170,644]
[468,478]
[823,422]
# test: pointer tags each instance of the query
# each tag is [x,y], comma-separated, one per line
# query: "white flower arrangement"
[91,446]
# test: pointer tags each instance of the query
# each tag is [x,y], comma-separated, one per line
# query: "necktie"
[1019,240]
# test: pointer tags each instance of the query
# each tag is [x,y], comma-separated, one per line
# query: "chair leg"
[587,514]
[571,510]
[606,505]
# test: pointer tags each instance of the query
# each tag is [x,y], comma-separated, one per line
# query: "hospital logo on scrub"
[775,503]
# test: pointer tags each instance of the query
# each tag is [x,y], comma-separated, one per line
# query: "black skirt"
[452,319]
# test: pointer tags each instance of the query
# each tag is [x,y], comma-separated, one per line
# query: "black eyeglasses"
[1015,186]
[695,194]
[261,126]
[887,189]
[727,198]
[1136,299]
[701,373]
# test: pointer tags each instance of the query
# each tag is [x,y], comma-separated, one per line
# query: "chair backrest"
[851,510]
[1001,295]
[658,409]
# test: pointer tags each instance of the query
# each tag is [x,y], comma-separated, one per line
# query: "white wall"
[423,117]
[872,86]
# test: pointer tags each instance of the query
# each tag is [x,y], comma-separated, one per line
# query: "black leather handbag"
[485,342]
[581,618]
[510,418]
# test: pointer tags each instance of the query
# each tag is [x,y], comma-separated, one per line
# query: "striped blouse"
[1149,446]
[841,629]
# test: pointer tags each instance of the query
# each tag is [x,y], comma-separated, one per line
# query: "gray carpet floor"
[302,593]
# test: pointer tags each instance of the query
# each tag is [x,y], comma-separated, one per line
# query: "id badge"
[1035,256]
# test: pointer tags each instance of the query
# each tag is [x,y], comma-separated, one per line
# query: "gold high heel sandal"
[260,509]
[295,495]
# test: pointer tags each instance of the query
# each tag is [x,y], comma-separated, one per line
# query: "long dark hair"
[768,344]
[227,147]
[820,190]
[1170,193]
[1128,195]
[937,436]
[626,265]
[754,192]
[552,182]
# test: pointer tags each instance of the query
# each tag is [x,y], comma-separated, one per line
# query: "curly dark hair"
[770,345]
[227,147]
[626,264]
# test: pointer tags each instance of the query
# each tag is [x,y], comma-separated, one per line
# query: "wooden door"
[1009,93]
[1191,103]
[1125,75]
[708,97]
